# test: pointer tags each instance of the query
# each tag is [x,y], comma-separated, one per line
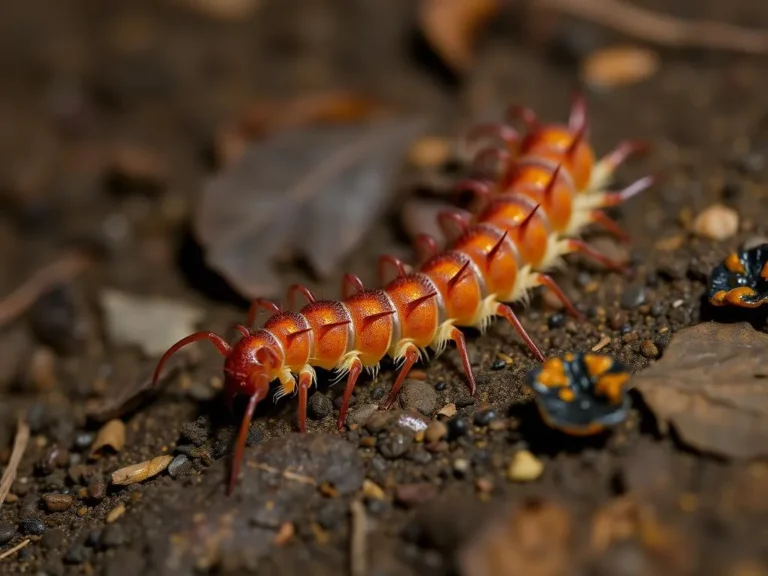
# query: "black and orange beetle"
[741,279]
[581,394]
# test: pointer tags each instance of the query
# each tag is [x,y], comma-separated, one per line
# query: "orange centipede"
[560,155]
[496,258]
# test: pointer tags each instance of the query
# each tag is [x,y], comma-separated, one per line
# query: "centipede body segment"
[492,259]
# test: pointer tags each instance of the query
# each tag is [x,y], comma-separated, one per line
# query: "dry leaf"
[314,191]
[140,472]
[111,435]
[452,27]
[712,386]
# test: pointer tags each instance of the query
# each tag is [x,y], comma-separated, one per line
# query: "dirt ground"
[83,79]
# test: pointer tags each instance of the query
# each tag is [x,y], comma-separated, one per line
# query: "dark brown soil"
[79,77]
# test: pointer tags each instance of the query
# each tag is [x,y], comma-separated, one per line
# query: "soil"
[85,80]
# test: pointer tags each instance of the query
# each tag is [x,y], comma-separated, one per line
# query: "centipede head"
[249,366]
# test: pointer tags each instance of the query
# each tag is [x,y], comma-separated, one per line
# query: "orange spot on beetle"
[764,272]
[612,385]
[733,264]
[553,373]
[597,365]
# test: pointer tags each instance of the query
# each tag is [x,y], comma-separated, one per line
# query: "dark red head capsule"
[581,394]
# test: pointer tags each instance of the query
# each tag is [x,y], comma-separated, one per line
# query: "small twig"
[19,446]
[661,28]
[358,540]
[12,551]
[63,269]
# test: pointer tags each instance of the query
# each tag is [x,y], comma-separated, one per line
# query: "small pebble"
[633,296]
[525,467]
[179,466]
[435,432]
[57,502]
[378,421]
[319,406]
[373,490]
[361,414]
[115,513]
[32,527]
[449,410]
[83,441]
[484,417]
[395,444]
[441,385]
[556,321]
[461,466]
[378,393]
[7,532]
[418,395]
[97,489]
[717,222]
[77,554]
[340,398]
[498,364]
[649,349]
[457,427]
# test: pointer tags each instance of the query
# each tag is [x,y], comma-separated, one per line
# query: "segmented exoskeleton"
[494,260]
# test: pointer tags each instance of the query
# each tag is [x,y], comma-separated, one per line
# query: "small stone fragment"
[525,467]
[57,502]
[140,472]
[718,222]
[112,536]
[97,489]
[649,349]
[320,406]
[7,533]
[31,527]
[633,297]
[435,432]
[418,395]
[457,427]
[372,490]
[284,534]
[111,435]
[115,513]
[411,494]
[179,466]
[449,410]
[395,444]
[484,417]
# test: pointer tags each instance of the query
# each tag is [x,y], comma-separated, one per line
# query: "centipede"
[549,157]
[490,260]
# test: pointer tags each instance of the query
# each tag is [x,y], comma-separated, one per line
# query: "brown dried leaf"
[452,27]
[141,471]
[712,386]
[111,435]
[314,191]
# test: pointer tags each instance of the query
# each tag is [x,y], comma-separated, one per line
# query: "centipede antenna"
[221,345]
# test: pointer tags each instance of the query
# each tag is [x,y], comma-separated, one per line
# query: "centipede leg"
[547,281]
[389,260]
[599,217]
[221,345]
[354,373]
[504,132]
[258,304]
[578,245]
[242,436]
[502,157]
[619,155]
[303,290]
[616,198]
[351,281]
[507,312]
[527,115]
[305,381]
[461,345]
[410,357]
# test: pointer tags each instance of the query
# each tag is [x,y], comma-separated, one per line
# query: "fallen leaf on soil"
[154,324]
[141,471]
[534,539]
[314,191]
[619,66]
[712,386]
[111,435]
[452,27]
